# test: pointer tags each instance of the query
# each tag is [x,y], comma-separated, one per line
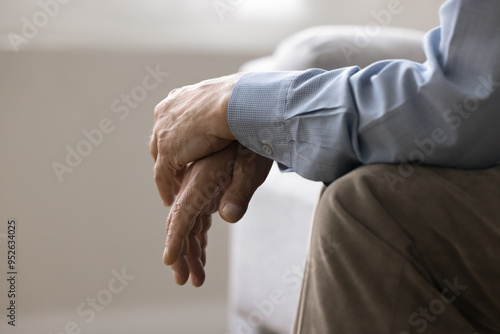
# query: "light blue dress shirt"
[446,111]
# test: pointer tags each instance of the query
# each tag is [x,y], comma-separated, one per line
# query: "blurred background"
[78,84]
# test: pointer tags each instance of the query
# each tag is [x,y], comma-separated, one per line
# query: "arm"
[322,124]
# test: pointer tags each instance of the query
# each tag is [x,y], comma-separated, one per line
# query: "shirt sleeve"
[322,124]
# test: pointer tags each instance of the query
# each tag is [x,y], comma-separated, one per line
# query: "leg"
[420,258]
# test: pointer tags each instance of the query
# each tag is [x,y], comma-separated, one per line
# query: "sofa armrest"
[268,250]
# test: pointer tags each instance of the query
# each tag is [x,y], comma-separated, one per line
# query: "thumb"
[247,177]
[234,202]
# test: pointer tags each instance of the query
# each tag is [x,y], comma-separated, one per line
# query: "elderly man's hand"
[224,181]
[190,123]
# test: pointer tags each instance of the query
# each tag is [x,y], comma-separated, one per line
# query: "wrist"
[227,91]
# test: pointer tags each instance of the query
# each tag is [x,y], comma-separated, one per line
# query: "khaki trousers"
[397,255]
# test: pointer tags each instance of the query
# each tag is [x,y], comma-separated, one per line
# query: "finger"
[173,250]
[182,220]
[174,244]
[203,237]
[247,177]
[179,177]
[194,260]
[153,147]
[185,247]
[194,248]
[199,193]
[164,177]
[181,270]
[173,247]
[197,226]
[203,256]
[181,266]
[173,154]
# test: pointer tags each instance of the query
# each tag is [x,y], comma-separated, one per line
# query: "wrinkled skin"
[200,169]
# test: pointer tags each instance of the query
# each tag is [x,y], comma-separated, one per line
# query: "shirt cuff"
[256,114]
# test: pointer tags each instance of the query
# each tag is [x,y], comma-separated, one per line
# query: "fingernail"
[231,211]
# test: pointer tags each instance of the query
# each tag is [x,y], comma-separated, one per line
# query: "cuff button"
[267,149]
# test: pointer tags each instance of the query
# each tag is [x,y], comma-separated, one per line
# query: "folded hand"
[190,123]
[223,181]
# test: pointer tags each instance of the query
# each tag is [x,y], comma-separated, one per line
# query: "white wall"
[105,214]
[242,26]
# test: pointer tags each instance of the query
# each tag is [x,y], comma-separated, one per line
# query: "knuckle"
[174,92]
[158,177]
[152,138]
[153,149]
[161,135]
[181,224]
[158,110]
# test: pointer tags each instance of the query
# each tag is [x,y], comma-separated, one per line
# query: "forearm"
[323,124]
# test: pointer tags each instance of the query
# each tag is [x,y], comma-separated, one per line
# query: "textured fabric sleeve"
[322,124]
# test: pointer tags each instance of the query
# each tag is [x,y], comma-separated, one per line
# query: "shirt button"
[267,149]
